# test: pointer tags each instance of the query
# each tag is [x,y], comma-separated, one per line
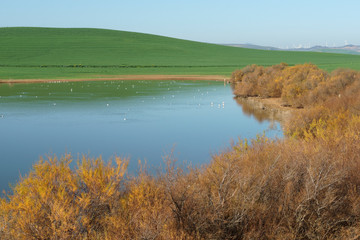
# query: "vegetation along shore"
[304,186]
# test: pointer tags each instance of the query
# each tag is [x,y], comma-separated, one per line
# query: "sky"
[277,23]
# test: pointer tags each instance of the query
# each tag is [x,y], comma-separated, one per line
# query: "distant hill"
[107,52]
[253,46]
[347,49]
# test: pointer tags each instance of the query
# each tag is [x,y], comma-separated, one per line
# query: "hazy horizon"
[266,23]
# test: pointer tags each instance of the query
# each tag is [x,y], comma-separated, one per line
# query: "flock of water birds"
[173,90]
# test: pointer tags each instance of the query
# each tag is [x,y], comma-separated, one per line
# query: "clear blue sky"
[278,23]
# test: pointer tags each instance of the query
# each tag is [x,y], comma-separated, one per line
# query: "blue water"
[136,119]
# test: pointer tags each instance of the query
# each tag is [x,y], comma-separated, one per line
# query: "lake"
[136,119]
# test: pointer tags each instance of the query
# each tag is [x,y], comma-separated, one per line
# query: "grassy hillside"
[52,52]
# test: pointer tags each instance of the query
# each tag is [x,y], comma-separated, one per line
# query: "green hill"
[69,52]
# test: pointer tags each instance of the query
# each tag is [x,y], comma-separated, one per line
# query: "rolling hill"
[27,52]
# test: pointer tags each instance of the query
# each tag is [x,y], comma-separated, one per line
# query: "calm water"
[135,119]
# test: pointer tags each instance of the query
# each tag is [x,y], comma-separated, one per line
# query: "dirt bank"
[123,77]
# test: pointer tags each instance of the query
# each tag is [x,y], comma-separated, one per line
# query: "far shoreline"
[124,78]
[269,105]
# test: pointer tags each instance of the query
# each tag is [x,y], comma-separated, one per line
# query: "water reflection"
[136,119]
[261,112]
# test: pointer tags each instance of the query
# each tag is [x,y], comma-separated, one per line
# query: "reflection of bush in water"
[254,108]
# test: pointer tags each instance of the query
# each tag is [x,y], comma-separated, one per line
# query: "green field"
[27,53]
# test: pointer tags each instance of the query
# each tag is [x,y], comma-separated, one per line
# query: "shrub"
[55,202]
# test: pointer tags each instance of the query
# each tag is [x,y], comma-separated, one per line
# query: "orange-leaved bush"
[56,202]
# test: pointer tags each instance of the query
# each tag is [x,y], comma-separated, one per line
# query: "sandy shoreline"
[124,77]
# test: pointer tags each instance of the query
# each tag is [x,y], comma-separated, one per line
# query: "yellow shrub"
[55,201]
